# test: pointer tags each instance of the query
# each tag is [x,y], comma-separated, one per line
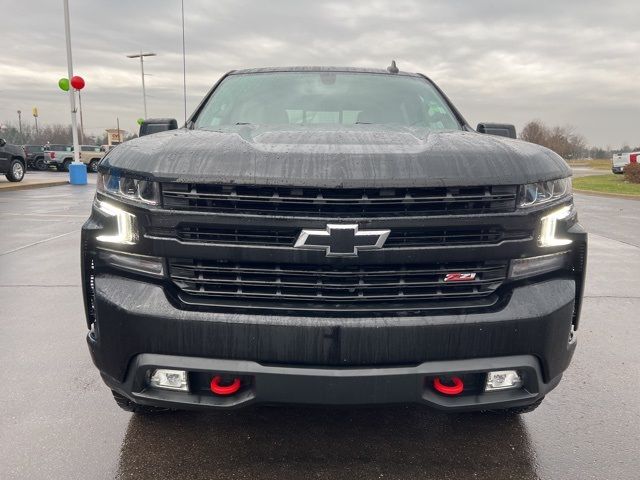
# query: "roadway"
[59,420]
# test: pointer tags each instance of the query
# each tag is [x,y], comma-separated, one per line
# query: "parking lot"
[60,420]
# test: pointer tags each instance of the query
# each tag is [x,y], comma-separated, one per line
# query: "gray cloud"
[571,62]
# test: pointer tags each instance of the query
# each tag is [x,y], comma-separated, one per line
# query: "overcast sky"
[571,62]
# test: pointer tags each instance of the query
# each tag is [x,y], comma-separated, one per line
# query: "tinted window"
[60,148]
[326,98]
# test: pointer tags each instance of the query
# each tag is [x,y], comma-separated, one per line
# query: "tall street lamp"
[72,96]
[34,112]
[144,92]
[20,124]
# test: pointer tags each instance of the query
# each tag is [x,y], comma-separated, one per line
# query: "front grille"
[338,202]
[286,236]
[312,288]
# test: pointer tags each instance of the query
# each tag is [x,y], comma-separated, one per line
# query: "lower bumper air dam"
[269,384]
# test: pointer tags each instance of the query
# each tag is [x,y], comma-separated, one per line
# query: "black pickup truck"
[332,236]
[13,163]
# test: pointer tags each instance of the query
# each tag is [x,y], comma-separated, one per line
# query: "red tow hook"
[219,389]
[455,389]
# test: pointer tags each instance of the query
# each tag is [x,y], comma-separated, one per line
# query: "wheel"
[39,164]
[93,166]
[130,406]
[65,166]
[519,410]
[16,171]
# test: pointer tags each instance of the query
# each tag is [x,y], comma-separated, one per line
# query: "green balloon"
[63,83]
[140,121]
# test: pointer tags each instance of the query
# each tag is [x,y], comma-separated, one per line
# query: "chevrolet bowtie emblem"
[342,240]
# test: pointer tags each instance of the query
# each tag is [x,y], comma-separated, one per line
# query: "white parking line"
[37,243]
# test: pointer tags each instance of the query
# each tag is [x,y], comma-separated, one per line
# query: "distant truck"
[91,155]
[13,163]
[35,156]
[621,160]
[61,156]
[58,156]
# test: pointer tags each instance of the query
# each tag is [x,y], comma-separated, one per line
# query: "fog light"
[502,380]
[530,266]
[169,379]
[133,263]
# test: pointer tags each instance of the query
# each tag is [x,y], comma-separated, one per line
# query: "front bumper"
[330,360]
[271,384]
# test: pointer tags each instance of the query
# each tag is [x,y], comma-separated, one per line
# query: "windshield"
[306,98]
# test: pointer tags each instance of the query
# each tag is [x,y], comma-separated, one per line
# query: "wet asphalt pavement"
[60,422]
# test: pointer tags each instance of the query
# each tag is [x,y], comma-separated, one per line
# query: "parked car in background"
[13,161]
[91,155]
[621,160]
[35,157]
[59,156]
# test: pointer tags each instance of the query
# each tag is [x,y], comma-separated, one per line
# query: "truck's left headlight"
[130,189]
[542,192]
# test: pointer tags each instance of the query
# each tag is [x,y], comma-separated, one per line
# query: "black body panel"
[359,156]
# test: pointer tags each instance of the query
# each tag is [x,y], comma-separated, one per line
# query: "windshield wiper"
[243,123]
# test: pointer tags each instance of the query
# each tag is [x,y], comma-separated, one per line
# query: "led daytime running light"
[548,225]
[127,233]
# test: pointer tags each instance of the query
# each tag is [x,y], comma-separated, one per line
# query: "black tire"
[93,166]
[130,406]
[519,410]
[65,166]
[16,171]
[39,164]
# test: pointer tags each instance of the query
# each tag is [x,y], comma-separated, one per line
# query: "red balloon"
[77,82]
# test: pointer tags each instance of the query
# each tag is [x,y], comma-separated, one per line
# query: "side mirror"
[3,142]
[500,129]
[156,125]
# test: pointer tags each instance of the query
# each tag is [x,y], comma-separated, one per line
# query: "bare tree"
[562,140]
[535,132]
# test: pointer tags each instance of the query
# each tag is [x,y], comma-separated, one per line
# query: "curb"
[595,193]
[29,186]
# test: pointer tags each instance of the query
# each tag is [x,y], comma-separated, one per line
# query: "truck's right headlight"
[127,188]
[542,192]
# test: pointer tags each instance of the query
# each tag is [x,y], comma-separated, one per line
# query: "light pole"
[81,124]
[144,92]
[184,68]
[34,112]
[20,124]
[72,96]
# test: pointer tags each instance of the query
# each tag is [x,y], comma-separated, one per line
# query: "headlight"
[140,191]
[548,226]
[543,192]
[127,233]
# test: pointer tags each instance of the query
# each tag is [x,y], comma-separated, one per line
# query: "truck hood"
[342,156]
